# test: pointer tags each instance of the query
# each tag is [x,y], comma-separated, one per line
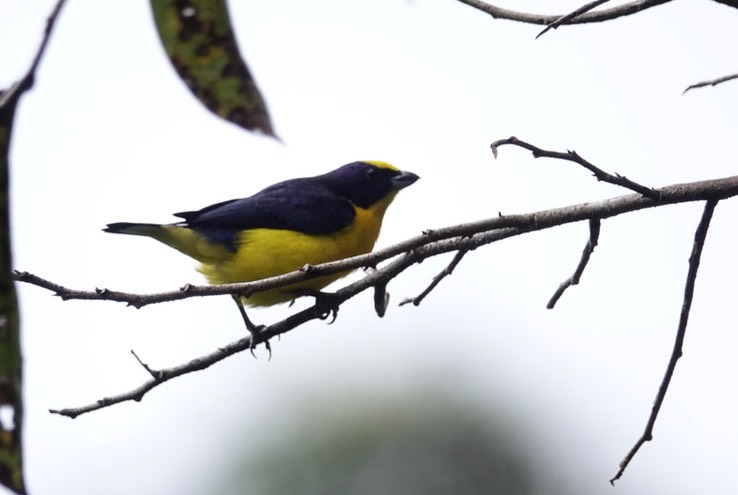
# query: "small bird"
[282,228]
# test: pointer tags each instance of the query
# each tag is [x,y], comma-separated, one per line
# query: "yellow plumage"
[347,205]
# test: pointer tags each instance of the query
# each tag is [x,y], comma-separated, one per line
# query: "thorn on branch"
[594,236]
[694,263]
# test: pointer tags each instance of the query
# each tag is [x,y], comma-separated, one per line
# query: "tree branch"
[9,98]
[694,263]
[729,3]
[572,15]
[465,237]
[11,376]
[441,240]
[594,236]
[573,156]
[436,280]
[713,82]
[599,16]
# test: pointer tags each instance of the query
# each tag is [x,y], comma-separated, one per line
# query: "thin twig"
[594,236]
[694,263]
[154,374]
[602,15]
[10,97]
[572,15]
[713,82]
[436,280]
[573,156]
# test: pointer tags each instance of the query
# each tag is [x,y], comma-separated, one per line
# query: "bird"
[282,228]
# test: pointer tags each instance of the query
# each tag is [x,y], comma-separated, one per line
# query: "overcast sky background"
[110,134]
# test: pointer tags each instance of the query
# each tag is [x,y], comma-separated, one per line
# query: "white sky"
[110,134]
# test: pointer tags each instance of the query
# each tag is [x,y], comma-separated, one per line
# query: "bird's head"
[367,182]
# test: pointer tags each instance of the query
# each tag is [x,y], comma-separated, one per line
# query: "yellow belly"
[264,253]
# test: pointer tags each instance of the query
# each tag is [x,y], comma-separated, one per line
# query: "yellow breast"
[264,253]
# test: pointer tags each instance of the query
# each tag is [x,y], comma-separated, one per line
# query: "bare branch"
[713,82]
[149,370]
[694,263]
[9,98]
[572,15]
[729,3]
[437,241]
[573,156]
[602,15]
[436,280]
[464,237]
[594,235]
[11,379]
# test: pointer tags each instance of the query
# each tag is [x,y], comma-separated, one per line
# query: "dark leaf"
[198,38]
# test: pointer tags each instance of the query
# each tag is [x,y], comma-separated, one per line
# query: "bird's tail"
[183,239]
[145,229]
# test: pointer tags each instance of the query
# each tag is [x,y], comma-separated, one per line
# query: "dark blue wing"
[302,205]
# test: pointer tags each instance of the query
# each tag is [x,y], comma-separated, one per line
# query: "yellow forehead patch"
[380,164]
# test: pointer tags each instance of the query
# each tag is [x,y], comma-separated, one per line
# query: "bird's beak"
[403,180]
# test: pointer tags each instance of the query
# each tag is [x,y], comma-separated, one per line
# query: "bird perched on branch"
[282,228]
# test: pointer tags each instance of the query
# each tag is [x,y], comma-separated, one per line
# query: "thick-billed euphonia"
[282,228]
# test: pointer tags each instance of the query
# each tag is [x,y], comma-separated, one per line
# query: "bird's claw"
[325,302]
[253,329]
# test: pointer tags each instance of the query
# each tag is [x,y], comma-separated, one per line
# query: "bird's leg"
[326,302]
[252,328]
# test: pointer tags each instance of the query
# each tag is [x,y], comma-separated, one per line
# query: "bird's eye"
[372,173]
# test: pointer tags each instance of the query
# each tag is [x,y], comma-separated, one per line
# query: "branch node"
[381,299]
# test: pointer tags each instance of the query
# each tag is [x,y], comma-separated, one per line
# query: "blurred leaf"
[11,396]
[424,442]
[198,38]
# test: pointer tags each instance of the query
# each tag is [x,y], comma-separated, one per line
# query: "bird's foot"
[254,330]
[326,302]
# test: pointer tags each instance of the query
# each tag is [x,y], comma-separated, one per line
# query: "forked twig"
[694,263]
